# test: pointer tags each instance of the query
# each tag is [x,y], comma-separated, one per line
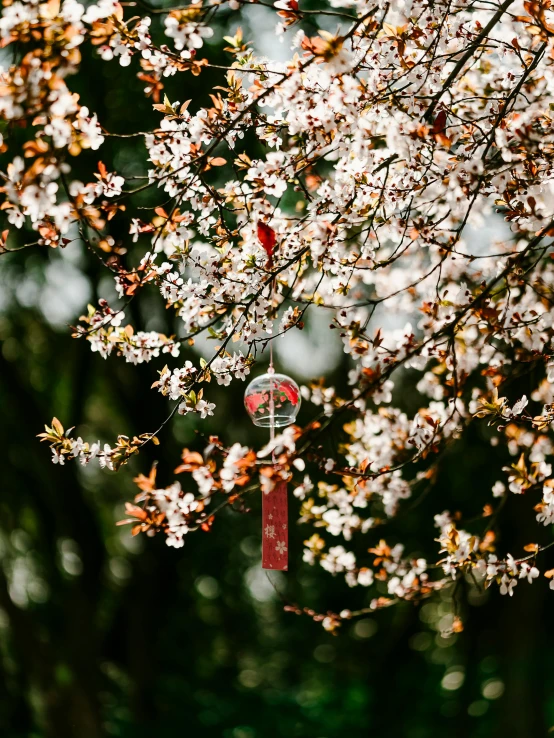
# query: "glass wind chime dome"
[272,400]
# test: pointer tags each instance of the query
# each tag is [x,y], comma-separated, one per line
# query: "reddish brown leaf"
[267,238]
[440,123]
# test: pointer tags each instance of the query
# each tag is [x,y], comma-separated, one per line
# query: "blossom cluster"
[386,146]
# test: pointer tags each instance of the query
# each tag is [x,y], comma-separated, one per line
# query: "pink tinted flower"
[290,391]
[253,402]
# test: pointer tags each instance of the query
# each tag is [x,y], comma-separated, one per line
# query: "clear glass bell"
[272,397]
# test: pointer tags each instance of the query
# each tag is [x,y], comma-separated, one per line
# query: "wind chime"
[272,400]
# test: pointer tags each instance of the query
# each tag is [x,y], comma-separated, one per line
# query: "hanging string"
[275,503]
[271,368]
[271,372]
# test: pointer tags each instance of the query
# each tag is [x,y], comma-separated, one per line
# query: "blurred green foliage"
[106,635]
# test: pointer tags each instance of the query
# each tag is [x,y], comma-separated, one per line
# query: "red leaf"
[267,238]
[440,123]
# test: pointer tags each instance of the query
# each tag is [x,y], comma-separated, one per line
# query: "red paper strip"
[275,533]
